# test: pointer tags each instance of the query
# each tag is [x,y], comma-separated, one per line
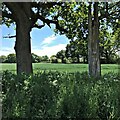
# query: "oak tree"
[26,15]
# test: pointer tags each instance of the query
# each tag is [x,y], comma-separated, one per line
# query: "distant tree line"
[11,58]
[70,55]
[37,59]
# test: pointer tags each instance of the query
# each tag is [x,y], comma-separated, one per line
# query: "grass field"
[61,67]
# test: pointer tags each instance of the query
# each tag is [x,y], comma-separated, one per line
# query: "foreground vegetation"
[50,94]
[61,67]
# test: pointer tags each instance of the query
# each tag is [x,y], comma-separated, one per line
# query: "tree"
[93,35]
[78,49]
[109,40]
[36,58]
[11,58]
[26,15]
[77,16]
[53,59]
[2,58]
[45,58]
[88,24]
[72,51]
[109,46]
[93,42]
[61,55]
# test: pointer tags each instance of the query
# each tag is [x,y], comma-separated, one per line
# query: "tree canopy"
[26,15]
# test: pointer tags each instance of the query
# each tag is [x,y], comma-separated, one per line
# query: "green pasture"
[61,67]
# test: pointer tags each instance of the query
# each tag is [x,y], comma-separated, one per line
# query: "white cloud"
[49,50]
[41,52]
[48,40]
[44,49]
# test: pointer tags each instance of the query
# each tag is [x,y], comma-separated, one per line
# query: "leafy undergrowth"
[60,95]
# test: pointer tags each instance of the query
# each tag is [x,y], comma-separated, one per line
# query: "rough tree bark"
[22,16]
[93,42]
[23,48]
[23,45]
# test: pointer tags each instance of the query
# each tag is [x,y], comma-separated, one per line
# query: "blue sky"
[43,41]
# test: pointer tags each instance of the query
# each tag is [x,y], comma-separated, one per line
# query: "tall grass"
[61,95]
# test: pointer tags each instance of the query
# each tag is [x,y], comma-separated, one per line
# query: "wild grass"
[61,95]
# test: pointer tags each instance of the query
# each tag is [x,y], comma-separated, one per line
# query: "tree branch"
[117,3]
[113,12]
[9,36]
[56,22]
[34,18]
[107,15]
[5,14]
[38,26]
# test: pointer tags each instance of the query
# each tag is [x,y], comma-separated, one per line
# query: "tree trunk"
[23,46]
[22,15]
[93,42]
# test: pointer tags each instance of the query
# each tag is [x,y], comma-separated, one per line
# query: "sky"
[43,41]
